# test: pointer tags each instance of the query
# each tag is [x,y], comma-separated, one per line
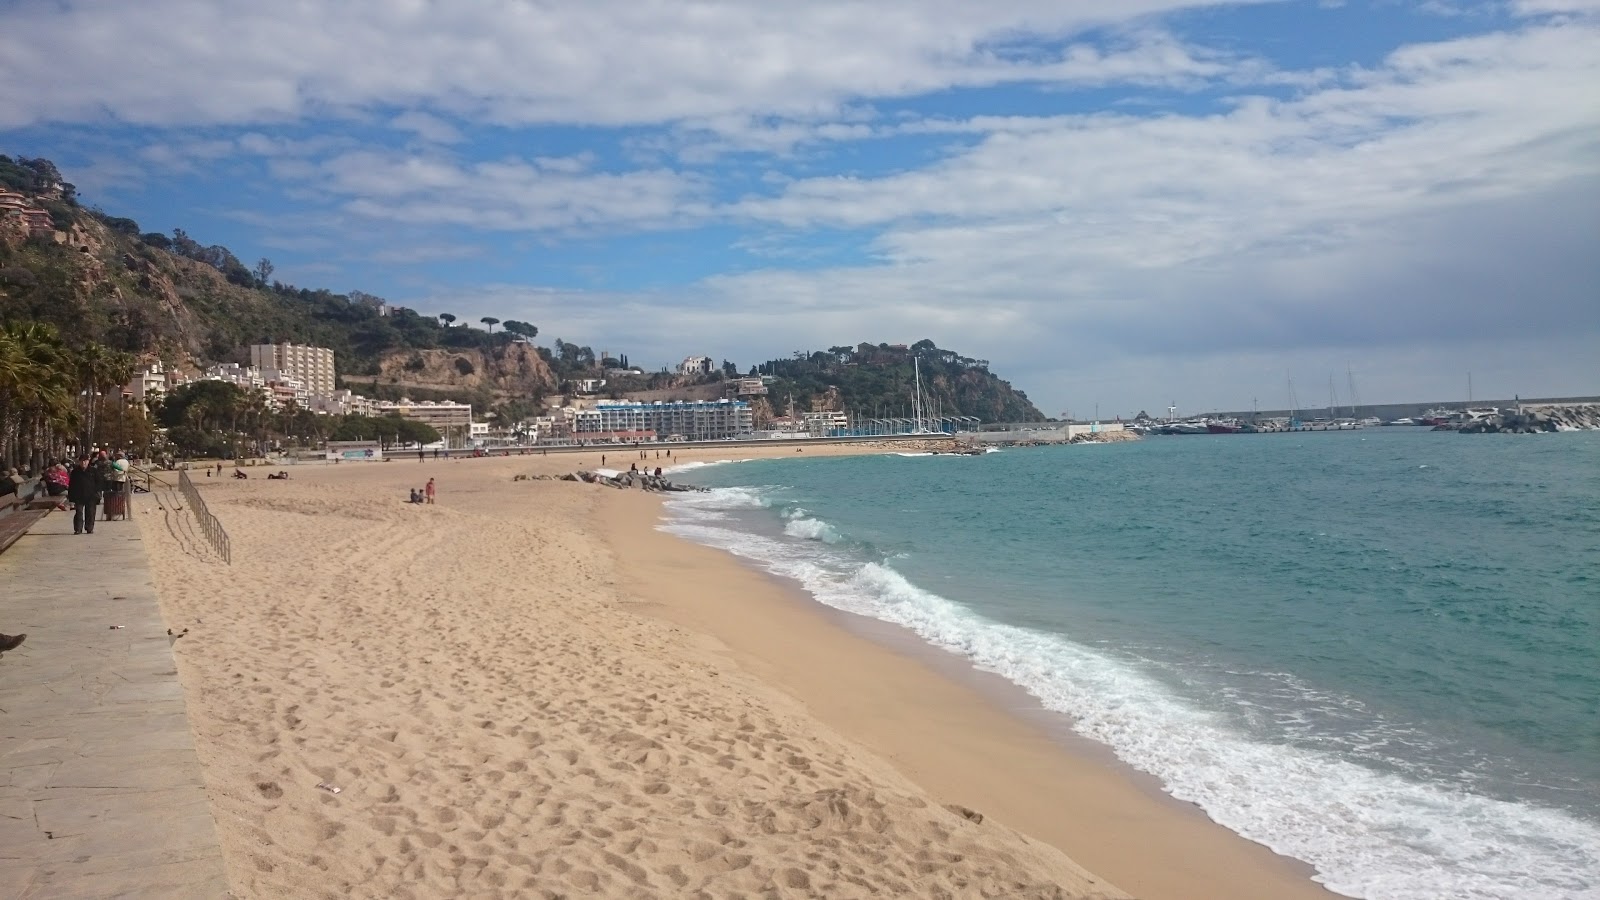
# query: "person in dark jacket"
[83,489]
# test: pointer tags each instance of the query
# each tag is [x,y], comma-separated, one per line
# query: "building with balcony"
[690,420]
[311,366]
[148,383]
[341,403]
[452,420]
[824,424]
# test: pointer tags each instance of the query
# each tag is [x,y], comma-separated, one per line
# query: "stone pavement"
[100,788]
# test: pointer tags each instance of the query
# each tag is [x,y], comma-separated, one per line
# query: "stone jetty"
[1538,419]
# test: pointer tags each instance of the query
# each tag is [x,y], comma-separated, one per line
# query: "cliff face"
[515,369]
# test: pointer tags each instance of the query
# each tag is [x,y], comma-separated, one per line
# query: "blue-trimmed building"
[690,420]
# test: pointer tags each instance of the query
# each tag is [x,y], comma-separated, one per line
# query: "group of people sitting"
[422,495]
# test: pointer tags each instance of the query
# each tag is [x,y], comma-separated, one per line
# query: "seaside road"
[100,789]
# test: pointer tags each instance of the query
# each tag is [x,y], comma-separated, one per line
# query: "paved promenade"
[100,788]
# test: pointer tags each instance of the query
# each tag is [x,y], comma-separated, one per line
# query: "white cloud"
[170,62]
[1441,199]
[507,195]
[427,127]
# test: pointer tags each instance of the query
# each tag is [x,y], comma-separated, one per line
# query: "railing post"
[209,526]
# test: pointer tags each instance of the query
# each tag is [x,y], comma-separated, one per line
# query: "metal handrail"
[209,526]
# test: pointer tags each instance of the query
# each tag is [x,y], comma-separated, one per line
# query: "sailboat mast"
[916,368]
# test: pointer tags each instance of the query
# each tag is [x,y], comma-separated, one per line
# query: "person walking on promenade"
[427,492]
[83,490]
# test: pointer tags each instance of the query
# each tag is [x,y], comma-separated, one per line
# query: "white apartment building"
[695,365]
[822,424]
[694,420]
[312,366]
[452,420]
[342,403]
[247,378]
[148,383]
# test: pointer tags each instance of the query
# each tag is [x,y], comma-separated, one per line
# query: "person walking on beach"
[427,492]
[602,459]
[83,490]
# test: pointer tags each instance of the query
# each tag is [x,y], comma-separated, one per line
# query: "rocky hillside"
[99,278]
[512,369]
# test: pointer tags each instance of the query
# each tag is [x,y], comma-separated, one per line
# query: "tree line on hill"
[879,381]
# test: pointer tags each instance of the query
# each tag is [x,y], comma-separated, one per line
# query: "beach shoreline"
[963,734]
[529,689]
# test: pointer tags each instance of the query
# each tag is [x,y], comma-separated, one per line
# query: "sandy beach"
[527,690]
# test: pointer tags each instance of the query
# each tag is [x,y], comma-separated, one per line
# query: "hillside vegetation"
[158,296]
[878,381]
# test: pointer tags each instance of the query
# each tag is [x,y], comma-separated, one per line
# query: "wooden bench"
[18,514]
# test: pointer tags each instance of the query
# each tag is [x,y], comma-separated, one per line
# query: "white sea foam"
[924,453]
[812,530]
[693,464]
[1367,833]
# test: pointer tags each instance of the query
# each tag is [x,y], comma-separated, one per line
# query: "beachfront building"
[695,365]
[341,403]
[690,420]
[311,366]
[246,378]
[825,424]
[283,389]
[452,420]
[148,383]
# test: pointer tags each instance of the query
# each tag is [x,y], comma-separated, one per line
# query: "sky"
[1122,204]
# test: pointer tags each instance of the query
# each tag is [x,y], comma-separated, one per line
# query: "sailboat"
[1361,422]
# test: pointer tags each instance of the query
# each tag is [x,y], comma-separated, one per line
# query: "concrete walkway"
[100,788]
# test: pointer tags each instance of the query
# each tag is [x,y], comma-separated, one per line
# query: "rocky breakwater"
[623,480]
[1104,437]
[1537,420]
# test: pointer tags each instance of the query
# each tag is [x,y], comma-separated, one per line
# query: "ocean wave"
[1368,833]
[691,465]
[812,530]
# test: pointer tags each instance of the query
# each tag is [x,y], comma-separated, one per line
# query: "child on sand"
[427,492]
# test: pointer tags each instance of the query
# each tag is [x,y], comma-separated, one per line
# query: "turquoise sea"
[1375,651]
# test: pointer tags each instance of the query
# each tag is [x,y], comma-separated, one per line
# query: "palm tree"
[36,393]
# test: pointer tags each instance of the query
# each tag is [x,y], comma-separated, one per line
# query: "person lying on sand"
[280,476]
[239,473]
